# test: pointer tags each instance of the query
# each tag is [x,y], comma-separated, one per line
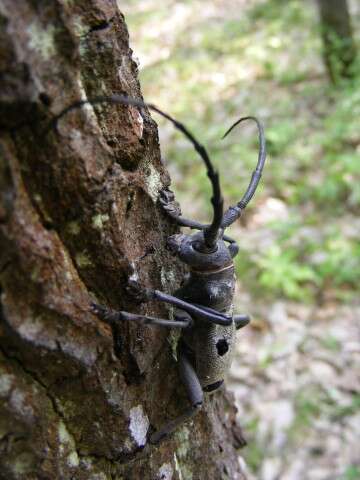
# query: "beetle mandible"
[204,303]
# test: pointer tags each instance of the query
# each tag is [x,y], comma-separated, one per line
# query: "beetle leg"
[194,392]
[241,321]
[205,313]
[233,247]
[112,317]
[172,208]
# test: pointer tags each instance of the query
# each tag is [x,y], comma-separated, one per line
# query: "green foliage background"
[261,58]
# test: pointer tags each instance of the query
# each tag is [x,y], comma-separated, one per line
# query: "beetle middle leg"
[182,319]
[143,294]
[187,372]
[194,391]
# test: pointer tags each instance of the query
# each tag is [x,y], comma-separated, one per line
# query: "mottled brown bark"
[338,44]
[78,214]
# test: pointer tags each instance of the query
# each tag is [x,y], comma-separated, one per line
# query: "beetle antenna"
[213,231]
[233,213]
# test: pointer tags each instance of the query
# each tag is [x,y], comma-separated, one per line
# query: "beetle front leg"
[172,208]
[195,395]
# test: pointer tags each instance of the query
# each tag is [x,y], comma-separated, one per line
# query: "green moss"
[187,474]
[99,220]
[73,228]
[83,260]
[78,26]
[35,273]
[24,463]
[182,437]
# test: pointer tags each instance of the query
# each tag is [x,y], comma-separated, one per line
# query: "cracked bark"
[78,214]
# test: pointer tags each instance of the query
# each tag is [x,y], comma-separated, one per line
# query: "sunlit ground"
[297,373]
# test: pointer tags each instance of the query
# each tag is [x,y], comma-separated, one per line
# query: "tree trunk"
[78,215]
[338,44]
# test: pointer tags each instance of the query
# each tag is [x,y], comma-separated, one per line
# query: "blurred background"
[296,376]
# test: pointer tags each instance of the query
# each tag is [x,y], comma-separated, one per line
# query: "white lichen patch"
[84,353]
[73,459]
[67,445]
[87,107]
[99,220]
[19,403]
[134,277]
[33,329]
[153,182]
[139,425]
[177,467]
[135,59]
[42,40]
[166,472]
[63,434]
[128,446]
[5,383]
[182,437]
[68,276]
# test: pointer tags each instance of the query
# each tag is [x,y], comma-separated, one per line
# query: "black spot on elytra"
[222,346]
[213,386]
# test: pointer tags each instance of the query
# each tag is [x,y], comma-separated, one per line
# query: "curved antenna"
[233,213]
[213,231]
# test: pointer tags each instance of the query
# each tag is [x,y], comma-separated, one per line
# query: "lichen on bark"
[78,215]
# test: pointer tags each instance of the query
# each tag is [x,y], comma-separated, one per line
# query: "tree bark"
[78,215]
[338,44]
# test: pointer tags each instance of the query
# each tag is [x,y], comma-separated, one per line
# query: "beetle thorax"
[187,248]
